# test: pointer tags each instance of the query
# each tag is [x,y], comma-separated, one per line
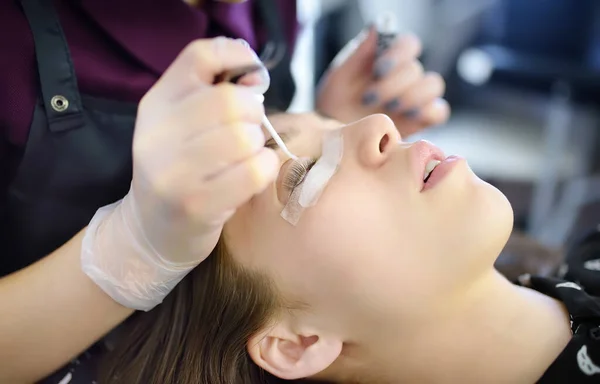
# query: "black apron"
[78,156]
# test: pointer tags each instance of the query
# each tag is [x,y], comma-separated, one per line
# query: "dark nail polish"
[412,113]
[369,98]
[392,105]
[382,68]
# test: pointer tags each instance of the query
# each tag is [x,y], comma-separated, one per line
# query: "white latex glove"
[198,154]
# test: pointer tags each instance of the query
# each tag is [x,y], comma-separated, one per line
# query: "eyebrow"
[285,136]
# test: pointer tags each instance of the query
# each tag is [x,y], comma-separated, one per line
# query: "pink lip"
[421,153]
[440,172]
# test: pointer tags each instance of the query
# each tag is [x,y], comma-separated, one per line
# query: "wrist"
[113,256]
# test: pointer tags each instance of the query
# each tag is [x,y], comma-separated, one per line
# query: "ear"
[289,355]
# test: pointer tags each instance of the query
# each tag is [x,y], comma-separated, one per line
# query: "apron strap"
[58,82]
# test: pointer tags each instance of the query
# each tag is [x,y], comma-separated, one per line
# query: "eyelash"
[296,172]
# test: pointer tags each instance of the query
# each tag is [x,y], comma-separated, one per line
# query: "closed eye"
[295,173]
[271,144]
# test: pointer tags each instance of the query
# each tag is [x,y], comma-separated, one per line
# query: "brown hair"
[199,333]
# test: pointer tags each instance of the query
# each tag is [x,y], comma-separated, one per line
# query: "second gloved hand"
[198,154]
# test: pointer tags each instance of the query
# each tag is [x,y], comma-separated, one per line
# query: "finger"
[218,106]
[222,104]
[235,186]
[357,57]
[407,127]
[405,49]
[389,91]
[199,63]
[429,88]
[259,81]
[434,113]
[221,147]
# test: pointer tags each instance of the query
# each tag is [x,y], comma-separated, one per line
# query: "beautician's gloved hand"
[198,154]
[359,84]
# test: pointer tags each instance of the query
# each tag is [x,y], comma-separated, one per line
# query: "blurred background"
[523,79]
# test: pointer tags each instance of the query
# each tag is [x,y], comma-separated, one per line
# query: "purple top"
[119,49]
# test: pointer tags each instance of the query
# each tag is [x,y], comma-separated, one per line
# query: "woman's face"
[376,243]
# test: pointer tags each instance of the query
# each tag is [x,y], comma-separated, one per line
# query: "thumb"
[358,56]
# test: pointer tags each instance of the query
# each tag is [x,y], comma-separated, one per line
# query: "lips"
[423,153]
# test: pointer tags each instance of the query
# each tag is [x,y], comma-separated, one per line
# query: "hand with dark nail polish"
[369,98]
[412,113]
[360,83]
[392,105]
[382,68]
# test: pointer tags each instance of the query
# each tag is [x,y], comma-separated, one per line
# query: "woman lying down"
[383,275]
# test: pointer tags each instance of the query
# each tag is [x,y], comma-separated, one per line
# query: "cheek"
[356,248]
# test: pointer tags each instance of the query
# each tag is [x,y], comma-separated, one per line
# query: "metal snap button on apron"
[59,103]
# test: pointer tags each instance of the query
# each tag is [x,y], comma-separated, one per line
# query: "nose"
[373,138]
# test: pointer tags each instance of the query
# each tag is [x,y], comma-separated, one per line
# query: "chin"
[494,221]
[484,216]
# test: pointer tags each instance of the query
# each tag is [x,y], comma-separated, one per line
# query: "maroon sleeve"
[17,87]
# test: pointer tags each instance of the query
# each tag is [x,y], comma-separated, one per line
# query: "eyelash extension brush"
[233,76]
[277,138]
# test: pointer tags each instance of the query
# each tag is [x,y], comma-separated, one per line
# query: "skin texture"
[378,283]
[363,265]
[48,318]
[364,200]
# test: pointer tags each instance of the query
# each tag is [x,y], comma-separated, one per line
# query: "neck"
[492,332]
